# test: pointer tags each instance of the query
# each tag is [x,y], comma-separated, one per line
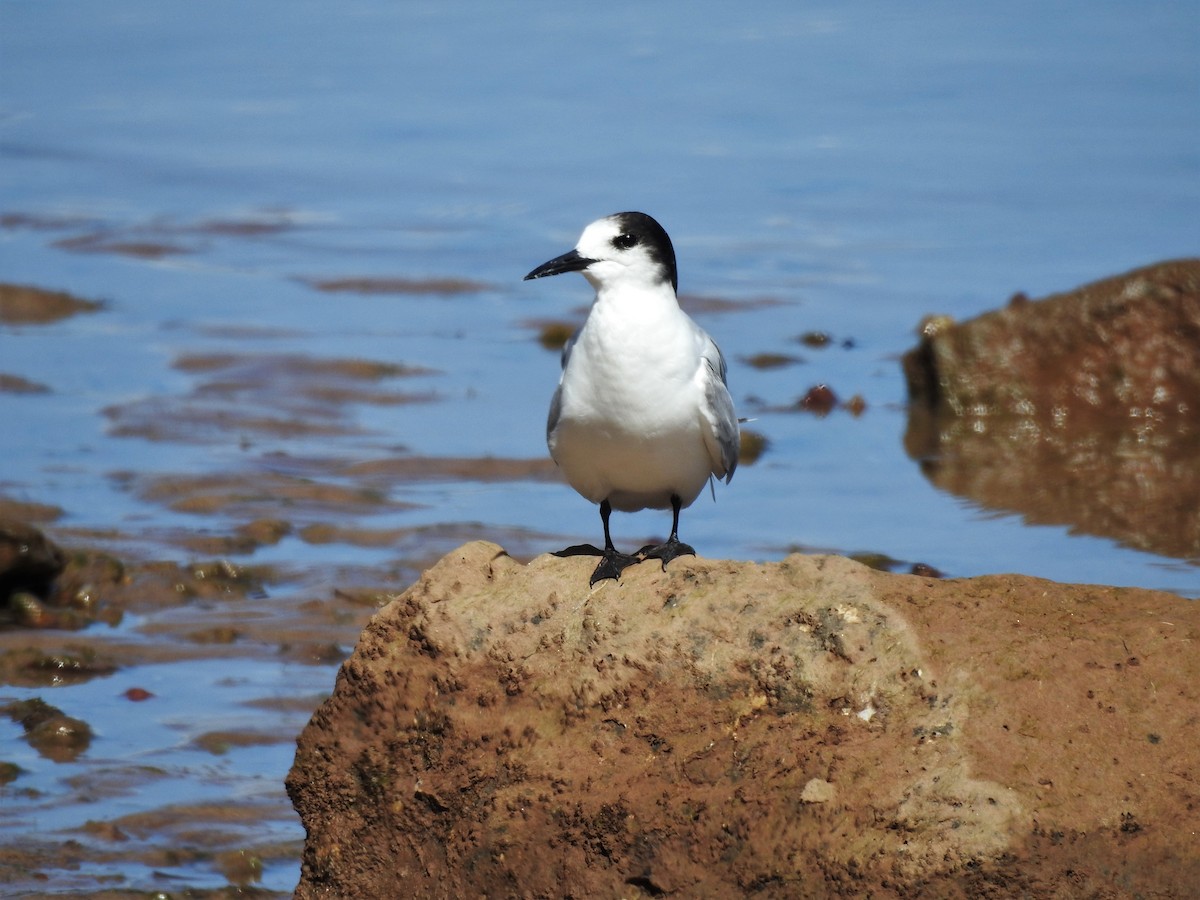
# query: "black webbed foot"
[668,551]
[612,565]
[579,550]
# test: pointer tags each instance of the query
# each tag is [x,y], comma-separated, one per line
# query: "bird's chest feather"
[634,372]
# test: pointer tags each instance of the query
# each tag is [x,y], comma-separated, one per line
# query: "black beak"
[570,261]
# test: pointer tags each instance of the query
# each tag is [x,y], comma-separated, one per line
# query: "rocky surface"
[1082,408]
[1126,342]
[804,728]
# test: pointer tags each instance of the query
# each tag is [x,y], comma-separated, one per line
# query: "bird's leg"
[614,562]
[591,549]
[673,547]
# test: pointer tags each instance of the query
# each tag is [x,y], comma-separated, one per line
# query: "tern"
[642,417]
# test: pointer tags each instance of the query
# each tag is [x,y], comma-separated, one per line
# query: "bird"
[642,417]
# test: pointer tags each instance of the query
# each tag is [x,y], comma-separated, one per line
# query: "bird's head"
[627,248]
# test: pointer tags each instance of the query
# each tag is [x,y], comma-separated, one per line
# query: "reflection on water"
[1116,483]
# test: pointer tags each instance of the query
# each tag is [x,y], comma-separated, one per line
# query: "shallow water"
[204,170]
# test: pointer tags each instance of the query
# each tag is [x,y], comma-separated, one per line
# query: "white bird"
[642,417]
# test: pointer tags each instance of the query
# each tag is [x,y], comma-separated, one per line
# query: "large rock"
[808,727]
[1080,409]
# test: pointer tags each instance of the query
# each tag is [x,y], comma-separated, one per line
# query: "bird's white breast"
[629,428]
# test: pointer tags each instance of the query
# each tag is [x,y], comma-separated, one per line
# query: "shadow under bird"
[642,418]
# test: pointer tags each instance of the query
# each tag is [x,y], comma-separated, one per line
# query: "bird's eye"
[625,241]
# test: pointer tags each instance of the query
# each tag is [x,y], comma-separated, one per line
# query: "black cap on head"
[654,237]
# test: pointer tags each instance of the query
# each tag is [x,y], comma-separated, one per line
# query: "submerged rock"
[29,561]
[1080,409]
[808,727]
[28,305]
[48,730]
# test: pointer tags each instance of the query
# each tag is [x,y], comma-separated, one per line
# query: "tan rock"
[808,727]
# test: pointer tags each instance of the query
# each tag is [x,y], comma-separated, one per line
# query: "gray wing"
[569,346]
[556,400]
[555,412]
[718,412]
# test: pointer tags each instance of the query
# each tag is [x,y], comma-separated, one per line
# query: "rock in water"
[29,561]
[1075,360]
[1079,409]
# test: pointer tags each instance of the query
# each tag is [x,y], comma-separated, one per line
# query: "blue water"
[863,166]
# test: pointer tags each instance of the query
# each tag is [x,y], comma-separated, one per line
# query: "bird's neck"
[637,301]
